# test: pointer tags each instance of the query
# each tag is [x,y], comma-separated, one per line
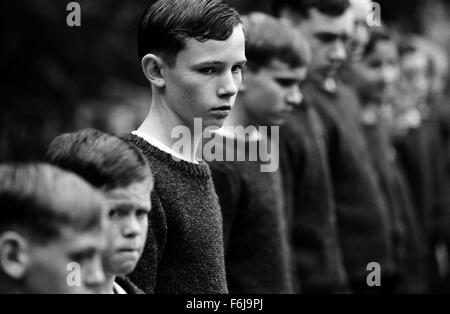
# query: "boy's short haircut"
[271,39]
[39,200]
[375,36]
[407,45]
[439,62]
[328,7]
[104,160]
[436,56]
[167,24]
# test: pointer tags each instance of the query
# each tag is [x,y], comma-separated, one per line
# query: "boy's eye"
[83,256]
[113,213]
[327,38]
[118,213]
[375,64]
[286,82]
[207,70]
[142,213]
[237,68]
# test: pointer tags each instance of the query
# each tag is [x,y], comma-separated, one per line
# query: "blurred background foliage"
[58,78]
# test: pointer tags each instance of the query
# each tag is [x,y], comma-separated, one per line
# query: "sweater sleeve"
[227,186]
[145,274]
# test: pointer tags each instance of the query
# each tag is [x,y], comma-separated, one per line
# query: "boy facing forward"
[122,174]
[192,53]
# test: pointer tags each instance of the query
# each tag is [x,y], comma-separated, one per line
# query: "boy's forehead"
[136,194]
[415,60]
[74,240]
[361,8]
[339,25]
[282,68]
[386,48]
[211,50]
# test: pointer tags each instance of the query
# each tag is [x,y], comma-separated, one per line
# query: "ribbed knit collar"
[200,170]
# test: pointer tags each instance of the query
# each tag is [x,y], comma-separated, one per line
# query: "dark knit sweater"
[408,238]
[305,167]
[257,252]
[127,285]
[363,221]
[184,250]
[419,153]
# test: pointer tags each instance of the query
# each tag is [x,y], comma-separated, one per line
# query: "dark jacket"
[362,215]
[311,205]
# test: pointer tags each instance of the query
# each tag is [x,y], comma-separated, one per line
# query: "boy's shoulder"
[227,174]
[127,285]
[163,163]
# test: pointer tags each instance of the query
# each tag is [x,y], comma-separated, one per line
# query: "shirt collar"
[153,141]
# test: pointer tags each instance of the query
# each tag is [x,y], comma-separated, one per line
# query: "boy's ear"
[14,258]
[152,67]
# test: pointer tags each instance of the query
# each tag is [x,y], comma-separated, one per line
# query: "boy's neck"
[160,123]
[109,283]
[241,117]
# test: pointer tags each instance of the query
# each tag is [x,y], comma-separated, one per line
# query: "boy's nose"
[131,228]
[95,276]
[295,96]
[338,53]
[229,86]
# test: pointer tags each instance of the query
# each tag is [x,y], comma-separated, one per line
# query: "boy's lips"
[221,112]
[222,108]
[129,249]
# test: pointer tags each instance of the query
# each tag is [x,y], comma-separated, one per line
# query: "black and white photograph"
[225,150]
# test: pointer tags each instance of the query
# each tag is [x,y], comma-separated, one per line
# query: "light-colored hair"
[41,199]
[269,38]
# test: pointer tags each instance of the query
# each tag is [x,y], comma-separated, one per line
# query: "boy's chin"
[123,265]
[126,268]
[213,124]
[276,122]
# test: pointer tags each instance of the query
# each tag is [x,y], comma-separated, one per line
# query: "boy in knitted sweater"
[257,239]
[192,52]
[362,218]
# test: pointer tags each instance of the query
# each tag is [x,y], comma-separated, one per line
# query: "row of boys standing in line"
[340,200]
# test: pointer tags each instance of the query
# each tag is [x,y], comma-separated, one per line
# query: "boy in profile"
[257,237]
[50,220]
[363,223]
[192,53]
[260,209]
[122,174]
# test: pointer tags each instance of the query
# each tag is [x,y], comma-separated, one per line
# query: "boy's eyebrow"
[209,63]
[327,33]
[128,206]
